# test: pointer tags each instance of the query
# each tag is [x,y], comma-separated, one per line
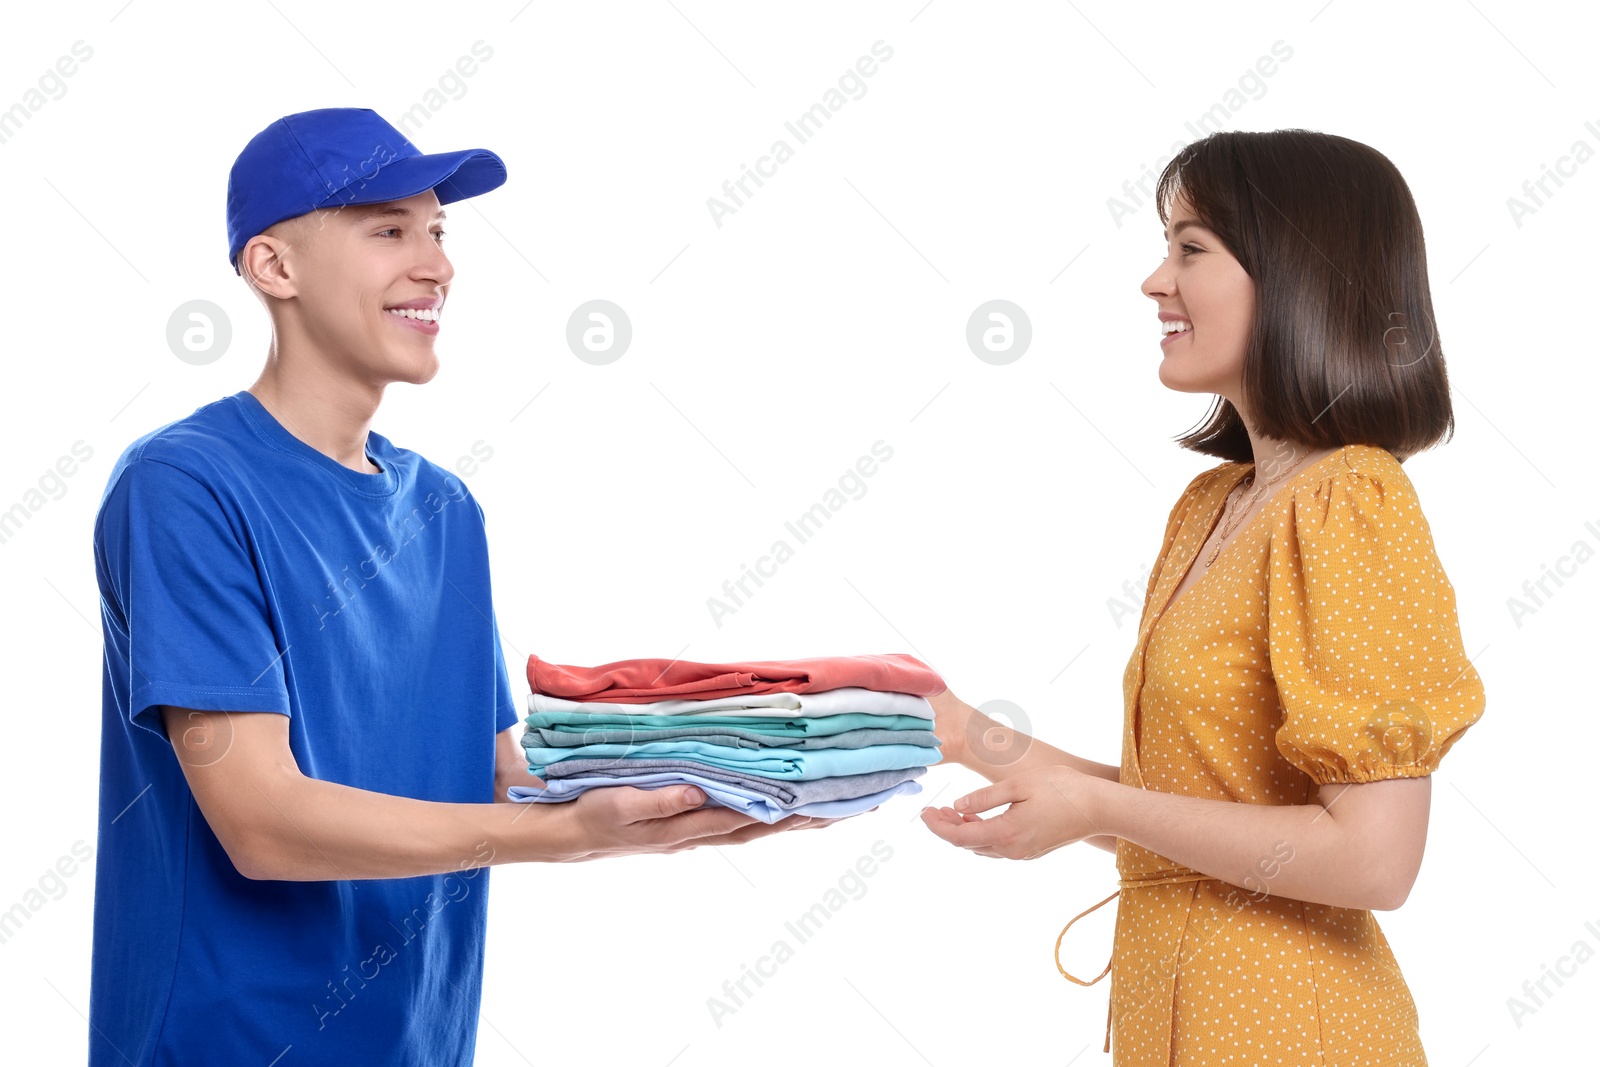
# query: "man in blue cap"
[310,886]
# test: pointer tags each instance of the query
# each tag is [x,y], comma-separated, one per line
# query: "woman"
[1298,671]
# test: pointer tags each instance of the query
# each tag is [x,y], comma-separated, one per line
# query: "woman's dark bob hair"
[1344,348]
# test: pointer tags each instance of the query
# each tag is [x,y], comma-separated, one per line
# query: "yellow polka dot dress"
[1321,646]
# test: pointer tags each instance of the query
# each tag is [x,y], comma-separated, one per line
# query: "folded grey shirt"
[729,736]
[787,792]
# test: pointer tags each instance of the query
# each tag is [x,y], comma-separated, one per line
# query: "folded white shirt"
[770,705]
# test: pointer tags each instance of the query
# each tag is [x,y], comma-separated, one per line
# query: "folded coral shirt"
[844,700]
[638,681]
[772,763]
[718,794]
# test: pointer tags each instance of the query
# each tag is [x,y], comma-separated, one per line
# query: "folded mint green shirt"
[800,726]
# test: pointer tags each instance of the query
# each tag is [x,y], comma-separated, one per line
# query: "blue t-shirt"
[242,570]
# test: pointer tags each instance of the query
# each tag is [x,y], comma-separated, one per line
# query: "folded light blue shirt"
[769,763]
[718,794]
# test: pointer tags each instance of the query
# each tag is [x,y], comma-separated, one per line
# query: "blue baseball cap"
[338,156]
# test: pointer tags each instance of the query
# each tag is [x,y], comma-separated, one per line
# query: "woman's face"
[1200,284]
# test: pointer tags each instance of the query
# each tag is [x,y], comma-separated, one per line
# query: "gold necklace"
[1255,492]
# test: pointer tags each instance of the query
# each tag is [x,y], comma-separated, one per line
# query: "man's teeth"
[425,314]
[1174,327]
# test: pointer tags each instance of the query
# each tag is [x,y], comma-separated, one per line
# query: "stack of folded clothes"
[829,737]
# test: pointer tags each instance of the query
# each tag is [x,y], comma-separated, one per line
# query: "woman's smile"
[1168,338]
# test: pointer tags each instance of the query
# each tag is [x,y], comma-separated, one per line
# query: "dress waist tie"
[1122,883]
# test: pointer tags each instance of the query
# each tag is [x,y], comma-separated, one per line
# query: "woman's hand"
[1050,807]
[952,718]
[971,739]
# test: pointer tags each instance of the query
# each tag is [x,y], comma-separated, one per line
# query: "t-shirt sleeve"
[1365,645]
[187,591]
[506,714]
[506,711]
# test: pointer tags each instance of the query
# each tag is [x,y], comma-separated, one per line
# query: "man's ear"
[264,265]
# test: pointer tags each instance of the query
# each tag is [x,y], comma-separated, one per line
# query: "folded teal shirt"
[795,764]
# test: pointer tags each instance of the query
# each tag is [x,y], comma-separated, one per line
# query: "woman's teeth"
[425,314]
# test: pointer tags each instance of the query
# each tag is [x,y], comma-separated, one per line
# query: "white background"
[768,354]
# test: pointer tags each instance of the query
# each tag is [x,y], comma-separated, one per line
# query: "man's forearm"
[277,823]
[322,830]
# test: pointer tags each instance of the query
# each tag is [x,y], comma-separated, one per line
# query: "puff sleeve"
[1365,645]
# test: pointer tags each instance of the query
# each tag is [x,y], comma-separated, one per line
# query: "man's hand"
[624,820]
[511,767]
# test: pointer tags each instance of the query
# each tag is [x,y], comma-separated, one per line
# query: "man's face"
[369,281]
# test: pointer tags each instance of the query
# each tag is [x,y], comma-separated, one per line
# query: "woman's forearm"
[1300,850]
[997,752]
[979,743]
